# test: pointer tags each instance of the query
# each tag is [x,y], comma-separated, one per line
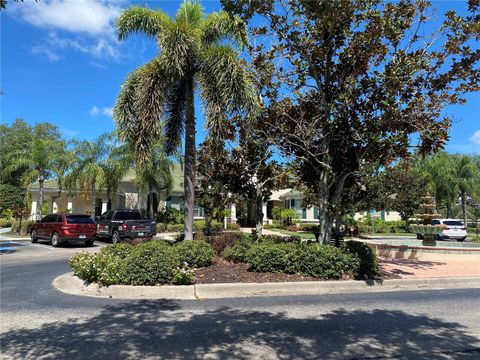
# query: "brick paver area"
[444,267]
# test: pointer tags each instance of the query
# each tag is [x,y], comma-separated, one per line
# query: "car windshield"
[453,223]
[128,215]
[79,219]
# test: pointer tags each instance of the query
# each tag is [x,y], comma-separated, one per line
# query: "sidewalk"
[445,267]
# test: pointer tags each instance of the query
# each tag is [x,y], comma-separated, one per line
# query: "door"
[102,226]
[44,226]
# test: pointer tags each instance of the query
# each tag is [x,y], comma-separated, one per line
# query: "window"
[50,218]
[287,204]
[304,213]
[107,215]
[128,215]
[315,212]
[292,203]
[197,211]
[453,223]
[79,219]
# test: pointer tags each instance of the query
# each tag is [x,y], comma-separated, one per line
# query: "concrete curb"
[70,284]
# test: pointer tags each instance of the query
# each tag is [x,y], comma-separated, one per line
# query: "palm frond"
[227,87]
[174,117]
[220,26]
[140,19]
[190,13]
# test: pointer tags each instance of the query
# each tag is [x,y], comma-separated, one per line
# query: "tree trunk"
[258,211]
[449,211]
[190,155]
[464,208]
[41,179]
[94,200]
[150,202]
[324,220]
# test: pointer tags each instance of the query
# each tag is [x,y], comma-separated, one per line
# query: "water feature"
[427,230]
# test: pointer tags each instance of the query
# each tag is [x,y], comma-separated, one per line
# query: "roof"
[279,194]
[129,177]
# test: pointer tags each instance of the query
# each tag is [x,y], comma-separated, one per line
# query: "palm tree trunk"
[94,200]
[41,179]
[150,201]
[258,210]
[190,155]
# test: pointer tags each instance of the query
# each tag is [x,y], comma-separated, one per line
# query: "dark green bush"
[278,239]
[150,263]
[195,253]
[174,227]
[170,215]
[368,260]
[237,252]
[315,260]
[120,250]
[26,226]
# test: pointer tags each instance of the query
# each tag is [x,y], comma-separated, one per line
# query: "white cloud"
[92,17]
[89,24]
[475,138]
[105,111]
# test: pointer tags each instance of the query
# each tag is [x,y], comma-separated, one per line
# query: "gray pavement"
[37,321]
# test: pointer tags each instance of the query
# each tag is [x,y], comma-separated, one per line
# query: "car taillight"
[446,228]
[124,227]
[68,227]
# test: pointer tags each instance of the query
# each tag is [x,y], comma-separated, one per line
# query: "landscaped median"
[158,262]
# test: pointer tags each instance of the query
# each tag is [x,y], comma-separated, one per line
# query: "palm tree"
[97,166]
[39,160]
[467,177]
[193,54]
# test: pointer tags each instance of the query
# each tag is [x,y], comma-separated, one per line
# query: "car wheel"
[89,243]
[115,237]
[55,240]
[33,236]
[461,240]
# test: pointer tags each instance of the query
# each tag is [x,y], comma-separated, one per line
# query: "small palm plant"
[195,52]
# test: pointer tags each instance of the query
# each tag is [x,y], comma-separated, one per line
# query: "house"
[127,195]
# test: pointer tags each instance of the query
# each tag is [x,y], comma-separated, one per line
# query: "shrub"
[314,260]
[195,253]
[6,223]
[26,226]
[120,250]
[150,264]
[233,226]
[174,227]
[368,260]
[237,252]
[161,227]
[199,225]
[293,228]
[169,215]
[84,266]
[183,275]
[278,239]
[110,267]
[224,240]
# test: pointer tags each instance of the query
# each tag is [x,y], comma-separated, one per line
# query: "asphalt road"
[37,322]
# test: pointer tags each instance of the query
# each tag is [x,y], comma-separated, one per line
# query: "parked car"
[452,229]
[124,223]
[64,228]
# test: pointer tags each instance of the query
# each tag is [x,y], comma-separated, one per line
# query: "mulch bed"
[223,271]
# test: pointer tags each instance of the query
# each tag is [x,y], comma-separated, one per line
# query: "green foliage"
[150,263]
[371,226]
[120,250]
[183,276]
[195,253]
[237,252]
[233,226]
[10,200]
[169,215]
[221,241]
[368,260]
[84,266]
[285,216]
[6,223]
[323,261]
[26,226]
[175,227]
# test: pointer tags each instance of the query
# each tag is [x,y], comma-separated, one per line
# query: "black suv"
[124,223]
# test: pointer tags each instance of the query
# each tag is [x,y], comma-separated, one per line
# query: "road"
[37,321]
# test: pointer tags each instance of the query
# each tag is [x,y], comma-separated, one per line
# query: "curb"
[70,284]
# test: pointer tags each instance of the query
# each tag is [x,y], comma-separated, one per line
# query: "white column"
[70,205]
[33,212]
[56,206]
[104,206]
[264,210]
[233,213]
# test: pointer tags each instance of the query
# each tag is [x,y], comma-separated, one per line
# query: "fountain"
[427,229]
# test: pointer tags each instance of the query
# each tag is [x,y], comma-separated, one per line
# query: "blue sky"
[61,63]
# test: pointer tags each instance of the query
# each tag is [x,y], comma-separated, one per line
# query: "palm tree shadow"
[153,329]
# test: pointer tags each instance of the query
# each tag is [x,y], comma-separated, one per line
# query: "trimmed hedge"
[194,253]
[150,263]
[368,260]
[238,251]
[316,260]
[6,223]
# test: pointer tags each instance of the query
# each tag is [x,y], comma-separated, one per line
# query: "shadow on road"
[153,329]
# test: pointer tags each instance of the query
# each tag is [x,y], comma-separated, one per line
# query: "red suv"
[64,228]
